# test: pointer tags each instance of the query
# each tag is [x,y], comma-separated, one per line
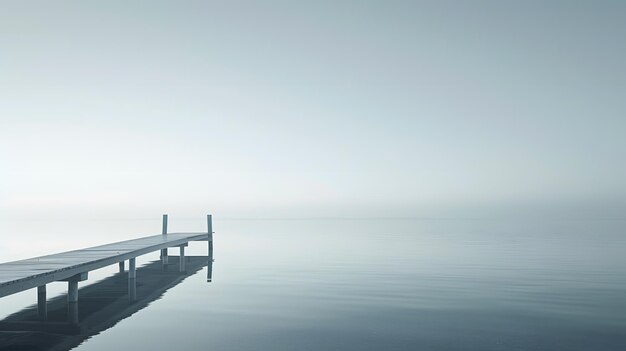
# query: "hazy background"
[318,108]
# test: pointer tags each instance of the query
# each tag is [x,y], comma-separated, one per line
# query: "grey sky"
[310,108]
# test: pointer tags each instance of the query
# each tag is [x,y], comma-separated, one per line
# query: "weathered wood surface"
[21,275]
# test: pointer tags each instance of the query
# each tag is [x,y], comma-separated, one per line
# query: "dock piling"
[72,300]
[121,265]
[132,280]
[42,306]
[209,222]
[72,295]
[182,259]
[72,291]
[164,251]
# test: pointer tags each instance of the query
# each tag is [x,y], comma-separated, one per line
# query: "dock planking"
[73,266]
[25,274]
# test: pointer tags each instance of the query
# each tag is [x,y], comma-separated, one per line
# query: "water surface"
[366,284]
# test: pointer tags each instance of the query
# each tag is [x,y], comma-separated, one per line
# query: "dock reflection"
[101,306]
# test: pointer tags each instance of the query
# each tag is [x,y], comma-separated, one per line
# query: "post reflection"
[209,271]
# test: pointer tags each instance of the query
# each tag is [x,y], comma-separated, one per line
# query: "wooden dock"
[74,266]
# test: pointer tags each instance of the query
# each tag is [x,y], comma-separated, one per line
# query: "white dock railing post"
[42,307]
[132,280]
[164,251]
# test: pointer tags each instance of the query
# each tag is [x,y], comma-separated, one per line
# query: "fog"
[320,109]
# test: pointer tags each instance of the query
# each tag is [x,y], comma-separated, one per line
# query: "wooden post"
[42,307]
[164,224]
[72,300]
[182,258]
[132,280]
[164,251]
[121,264]
[209,223]
[72,295]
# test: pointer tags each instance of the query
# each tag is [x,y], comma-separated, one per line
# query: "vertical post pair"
[72,299]
[132,278]
[164,253]
[132,270]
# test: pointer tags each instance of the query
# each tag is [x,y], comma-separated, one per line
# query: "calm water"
[366,284]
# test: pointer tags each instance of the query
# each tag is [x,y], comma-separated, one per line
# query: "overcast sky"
[316,108]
